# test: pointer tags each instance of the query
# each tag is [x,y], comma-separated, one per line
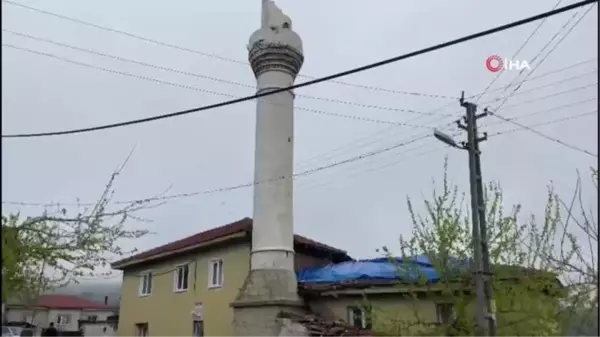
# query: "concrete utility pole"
[482,274]
[276,56]
[486,320]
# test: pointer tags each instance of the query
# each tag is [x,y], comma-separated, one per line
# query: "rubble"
[318,326]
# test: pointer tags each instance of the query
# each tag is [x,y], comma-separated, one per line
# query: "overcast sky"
[359,206]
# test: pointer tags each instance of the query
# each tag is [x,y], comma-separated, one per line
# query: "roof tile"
[243,225]
[56,301]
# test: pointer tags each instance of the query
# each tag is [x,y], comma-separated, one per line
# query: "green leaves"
[53,249]
[528,258]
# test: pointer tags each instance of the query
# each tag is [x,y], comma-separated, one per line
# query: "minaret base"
[264,295]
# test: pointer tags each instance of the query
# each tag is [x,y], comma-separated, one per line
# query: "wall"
[387,310]
[96,329]
[43,317]
[38,317]
[170,314]
[396,314]
[303,261]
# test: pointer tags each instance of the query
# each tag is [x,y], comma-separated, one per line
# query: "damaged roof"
[243,227]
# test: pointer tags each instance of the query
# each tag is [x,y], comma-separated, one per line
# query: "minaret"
[275,54]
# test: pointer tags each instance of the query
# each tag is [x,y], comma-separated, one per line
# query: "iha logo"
[495,63]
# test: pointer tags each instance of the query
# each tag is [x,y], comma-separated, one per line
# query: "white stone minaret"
[275,54]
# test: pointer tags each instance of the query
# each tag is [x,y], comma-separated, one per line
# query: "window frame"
[219,263]
[200,324]
[149,276]
[366,322]
[59,321]
[179,267]
[142,327]
[439,312]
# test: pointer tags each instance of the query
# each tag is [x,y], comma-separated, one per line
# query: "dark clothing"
[51,331]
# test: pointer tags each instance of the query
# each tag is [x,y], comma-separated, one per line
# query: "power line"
[241,186]
[527,115]
[545,110]
[550,95]
[212,92]
[535,77]
[438,148]
[555,121]
[549,52]
[302,173]
[214,56]
[173,70]
[543,135]
[315,81]
[516,53]
[359,143]
[154,80]
[593,72]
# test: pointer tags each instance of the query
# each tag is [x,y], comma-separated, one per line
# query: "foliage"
[526,260]
[54,249]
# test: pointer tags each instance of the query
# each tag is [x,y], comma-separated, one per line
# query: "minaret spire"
[276,56]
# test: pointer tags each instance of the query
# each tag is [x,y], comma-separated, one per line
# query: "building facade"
[64,311]
[186,287]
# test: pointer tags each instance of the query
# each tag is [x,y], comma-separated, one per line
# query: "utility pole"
[485,316]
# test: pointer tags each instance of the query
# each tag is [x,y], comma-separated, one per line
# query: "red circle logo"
[494,63]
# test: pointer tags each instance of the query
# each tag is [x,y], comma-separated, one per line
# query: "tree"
[55,248]
[528,260]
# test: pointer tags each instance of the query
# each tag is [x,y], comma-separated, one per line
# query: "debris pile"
[318,326]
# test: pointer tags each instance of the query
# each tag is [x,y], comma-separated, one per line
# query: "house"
[186,287]
[406,296]
[64,310]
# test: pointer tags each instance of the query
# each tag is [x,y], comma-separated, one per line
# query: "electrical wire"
[315,81]
[516,53]
[543,135]
[241,186]
[560,93]
[381,134]
[183,86]
[177,71]
[357,145]
[570,105]
[441,147]
[497,108]
[212,92]
[214,56]
[296,175]
[560,120]
[565,80]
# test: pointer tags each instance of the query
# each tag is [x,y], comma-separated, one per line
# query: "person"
[51,330]
[104,332]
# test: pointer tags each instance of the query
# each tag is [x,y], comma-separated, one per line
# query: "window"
[198,329]
[446,313]
[146,284]
[63,319]
[215,274]
[141,329]
[359,318]
[182,274]
[92,318]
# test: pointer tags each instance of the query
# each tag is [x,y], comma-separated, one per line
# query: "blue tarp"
[374,269]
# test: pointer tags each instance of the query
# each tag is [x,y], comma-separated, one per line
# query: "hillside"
[94,290]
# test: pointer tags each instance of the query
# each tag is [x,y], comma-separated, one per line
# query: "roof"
[388,272]
[56,301]
[243,226]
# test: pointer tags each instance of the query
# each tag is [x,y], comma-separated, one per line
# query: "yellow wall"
[391,313]
[170,314]
[397,315]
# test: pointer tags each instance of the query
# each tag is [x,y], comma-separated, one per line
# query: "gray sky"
[358,207]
